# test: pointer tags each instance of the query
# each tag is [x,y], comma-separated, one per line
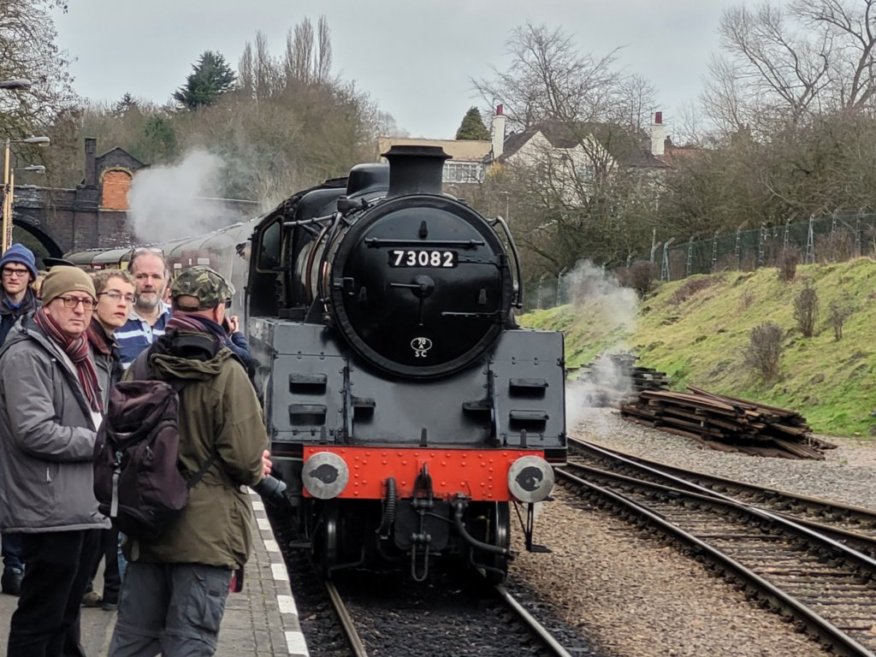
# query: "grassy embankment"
[698,332]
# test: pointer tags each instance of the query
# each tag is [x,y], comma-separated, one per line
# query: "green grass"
[697,331]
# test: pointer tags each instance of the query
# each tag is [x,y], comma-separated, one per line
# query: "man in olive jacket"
[174,591]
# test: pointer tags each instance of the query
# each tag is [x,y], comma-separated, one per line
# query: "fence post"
[560,284]
[739,247]
[714,252]
[664,269]
[810,243]
[786,239]
[540,300]
[689,262]
[858,250]
[762,236]
[653,251]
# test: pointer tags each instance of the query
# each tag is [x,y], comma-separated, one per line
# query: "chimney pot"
[500,109]
[658,118]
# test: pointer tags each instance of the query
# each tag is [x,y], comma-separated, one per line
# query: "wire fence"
[836,238]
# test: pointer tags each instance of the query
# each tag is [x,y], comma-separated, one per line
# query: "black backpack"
[137,478]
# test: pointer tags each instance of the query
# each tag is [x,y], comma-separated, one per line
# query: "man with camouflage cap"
[173,595]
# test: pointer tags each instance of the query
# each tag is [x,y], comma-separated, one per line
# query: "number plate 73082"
[422,258]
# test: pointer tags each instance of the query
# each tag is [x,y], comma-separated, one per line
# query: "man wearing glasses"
[18,267]
[50,408]
[150,313]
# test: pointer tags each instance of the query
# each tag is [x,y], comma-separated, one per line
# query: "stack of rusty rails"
[726,423]
[643,378]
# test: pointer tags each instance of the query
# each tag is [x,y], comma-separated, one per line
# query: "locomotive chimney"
[415,169]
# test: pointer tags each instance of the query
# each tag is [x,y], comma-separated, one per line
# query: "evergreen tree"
[125,105]
[472,127]
[210,78]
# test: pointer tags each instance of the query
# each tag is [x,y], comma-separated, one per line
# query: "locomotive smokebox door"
[432,289]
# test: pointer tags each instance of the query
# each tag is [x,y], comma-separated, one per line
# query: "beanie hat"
[22,255]
[61,280]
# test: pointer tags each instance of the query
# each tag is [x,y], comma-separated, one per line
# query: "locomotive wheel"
[496,530]
[326,548]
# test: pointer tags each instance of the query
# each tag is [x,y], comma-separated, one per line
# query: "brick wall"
[114,192]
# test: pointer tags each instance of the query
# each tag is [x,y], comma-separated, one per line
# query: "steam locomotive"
[407,412]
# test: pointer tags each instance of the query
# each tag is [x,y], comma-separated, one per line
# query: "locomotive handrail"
[305,222]
[379,241]
[517,302]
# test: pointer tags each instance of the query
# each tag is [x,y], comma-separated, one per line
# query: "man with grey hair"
[150,313]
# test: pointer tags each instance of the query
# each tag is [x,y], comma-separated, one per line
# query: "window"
[463,172]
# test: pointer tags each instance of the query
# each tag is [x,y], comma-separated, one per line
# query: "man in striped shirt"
[150,313]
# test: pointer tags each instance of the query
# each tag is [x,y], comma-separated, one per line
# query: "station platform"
[260,621]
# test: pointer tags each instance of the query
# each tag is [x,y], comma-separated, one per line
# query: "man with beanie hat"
[50,408]
[18,267]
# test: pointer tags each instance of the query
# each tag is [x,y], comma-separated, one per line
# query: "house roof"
[624,146]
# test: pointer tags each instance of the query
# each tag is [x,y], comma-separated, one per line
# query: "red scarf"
[77,350]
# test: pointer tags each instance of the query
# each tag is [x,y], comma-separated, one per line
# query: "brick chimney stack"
[658,136]
[90,162]
[498,132]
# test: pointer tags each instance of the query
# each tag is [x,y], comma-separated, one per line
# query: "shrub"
[640,276]
[788,260]
[806,311]
[765,350]
[837,314]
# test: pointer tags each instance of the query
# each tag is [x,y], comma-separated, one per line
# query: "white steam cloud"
[598,293]
[170,202]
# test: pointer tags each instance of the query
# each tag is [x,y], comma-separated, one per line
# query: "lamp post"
[9,185]
[16,85]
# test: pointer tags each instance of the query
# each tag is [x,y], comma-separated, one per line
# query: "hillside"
[697,331]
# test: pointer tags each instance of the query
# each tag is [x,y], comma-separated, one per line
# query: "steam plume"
[170,202]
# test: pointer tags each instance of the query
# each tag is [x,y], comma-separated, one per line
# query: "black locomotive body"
[406,410]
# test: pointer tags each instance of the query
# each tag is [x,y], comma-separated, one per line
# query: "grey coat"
[47,438]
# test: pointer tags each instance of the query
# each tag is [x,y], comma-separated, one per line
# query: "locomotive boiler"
[406,410]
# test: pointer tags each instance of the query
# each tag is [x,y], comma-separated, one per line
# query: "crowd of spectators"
[63,349]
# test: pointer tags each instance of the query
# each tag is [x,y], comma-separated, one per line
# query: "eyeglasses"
[72,302]
[12,273]
[228,303]
[117,296]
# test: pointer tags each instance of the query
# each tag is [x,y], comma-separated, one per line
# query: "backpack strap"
[141,371]
[191,483]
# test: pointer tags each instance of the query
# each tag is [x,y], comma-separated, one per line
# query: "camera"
[272,489]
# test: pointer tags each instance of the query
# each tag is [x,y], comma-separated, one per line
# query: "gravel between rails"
[635,597]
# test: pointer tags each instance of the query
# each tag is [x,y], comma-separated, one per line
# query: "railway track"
[827,586]
[361,613]
[853,525]
[496,624]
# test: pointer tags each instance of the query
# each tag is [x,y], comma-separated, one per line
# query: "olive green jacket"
[219,414]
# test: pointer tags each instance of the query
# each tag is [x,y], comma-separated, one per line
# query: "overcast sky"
[415,58]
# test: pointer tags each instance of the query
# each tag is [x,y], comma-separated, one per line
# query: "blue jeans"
[12,552]
[171,609]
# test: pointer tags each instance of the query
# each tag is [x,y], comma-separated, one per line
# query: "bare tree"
[784,66]
[549,79]
[308,55]
[575,194]
[28,51]
[852,63]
